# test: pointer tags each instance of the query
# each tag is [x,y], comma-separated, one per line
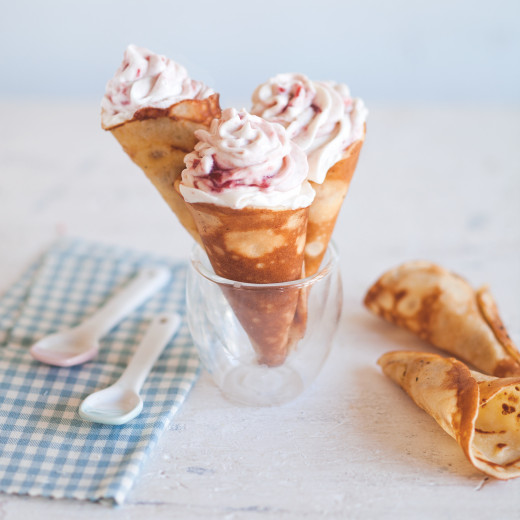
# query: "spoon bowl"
[66,349]
[114,405]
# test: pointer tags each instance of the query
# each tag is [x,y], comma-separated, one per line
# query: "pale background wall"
[444,51]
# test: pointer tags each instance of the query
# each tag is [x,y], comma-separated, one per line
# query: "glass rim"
[331,257]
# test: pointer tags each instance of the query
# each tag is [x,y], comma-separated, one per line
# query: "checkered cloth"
[45,447]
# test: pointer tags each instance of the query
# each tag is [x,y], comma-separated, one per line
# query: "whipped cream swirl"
[320,116]
[145,79]
[244,160]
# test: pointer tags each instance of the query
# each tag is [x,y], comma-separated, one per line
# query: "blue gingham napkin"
[45,447]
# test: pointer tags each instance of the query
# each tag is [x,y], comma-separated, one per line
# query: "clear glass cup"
[245,368]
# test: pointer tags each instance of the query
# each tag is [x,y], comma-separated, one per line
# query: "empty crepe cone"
[157,141]
[258,246]
[326,206]
[480,412]
[442,308]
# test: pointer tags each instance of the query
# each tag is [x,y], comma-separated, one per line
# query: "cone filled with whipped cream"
[329,125]
[153,109]
[480,412]
[245,185]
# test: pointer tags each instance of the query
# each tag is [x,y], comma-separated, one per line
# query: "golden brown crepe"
[482,413]
[442,308]
[323,213]
[157,140]
[259,246]
[326,206]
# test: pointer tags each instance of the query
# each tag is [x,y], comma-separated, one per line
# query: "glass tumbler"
[263,344]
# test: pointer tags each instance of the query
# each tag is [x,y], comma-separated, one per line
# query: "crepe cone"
[480,412]
[157,141]
[442,308]
[323,214]
[326,206]
[259,246]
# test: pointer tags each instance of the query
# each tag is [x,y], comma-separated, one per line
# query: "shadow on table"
[402,438]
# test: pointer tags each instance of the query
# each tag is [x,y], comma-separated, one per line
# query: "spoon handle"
[159,333]
[144,285]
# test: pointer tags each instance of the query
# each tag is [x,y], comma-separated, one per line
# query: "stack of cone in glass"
[252,245]
[291,243]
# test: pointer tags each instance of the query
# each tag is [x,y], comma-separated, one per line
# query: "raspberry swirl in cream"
[145,79]
[244,160]
[320,116]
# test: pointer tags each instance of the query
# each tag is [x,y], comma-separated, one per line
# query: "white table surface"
[438,183]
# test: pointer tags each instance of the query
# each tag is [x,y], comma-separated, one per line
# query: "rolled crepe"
[482,413]
[443,308]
